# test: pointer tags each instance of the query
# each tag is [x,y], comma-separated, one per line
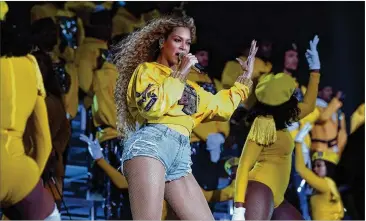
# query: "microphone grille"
[180,56]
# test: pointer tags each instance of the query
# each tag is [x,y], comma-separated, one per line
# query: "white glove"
[213,143]
[239,213]
[94,147]
[302,133]
[312,55]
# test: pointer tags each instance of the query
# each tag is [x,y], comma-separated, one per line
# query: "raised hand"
[312,55]
[93,146]
[248,65]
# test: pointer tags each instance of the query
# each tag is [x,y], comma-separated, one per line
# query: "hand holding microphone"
[186,61]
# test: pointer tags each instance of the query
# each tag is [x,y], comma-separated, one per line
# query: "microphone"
[196,67]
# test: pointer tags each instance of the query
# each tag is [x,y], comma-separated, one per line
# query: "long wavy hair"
[140,46]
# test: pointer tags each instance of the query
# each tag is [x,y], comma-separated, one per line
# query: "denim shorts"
[160,142]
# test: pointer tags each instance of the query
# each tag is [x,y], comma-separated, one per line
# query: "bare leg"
[186,199]
[286,211]
[258,201]
[146,182]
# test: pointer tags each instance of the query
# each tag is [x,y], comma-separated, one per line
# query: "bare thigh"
[285,211]
[259,202]
[185,197]
[146,183]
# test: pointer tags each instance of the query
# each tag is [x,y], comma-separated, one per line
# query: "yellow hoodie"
[154,96]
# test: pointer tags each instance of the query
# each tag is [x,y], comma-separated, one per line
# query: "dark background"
[226,26]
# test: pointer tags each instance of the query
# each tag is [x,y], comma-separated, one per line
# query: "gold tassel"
[263,131]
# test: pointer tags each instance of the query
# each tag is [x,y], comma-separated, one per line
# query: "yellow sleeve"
[71,99]
[224,127]
[358,118]
[327,112]
[342,136]
[104,84]
[116,177]
[247,160]
[86,66]
[153,97]
[222,105]
[43,144]
[308,105]
[230,73]
[318,183]
[81,31]
[221,195]
[311,118]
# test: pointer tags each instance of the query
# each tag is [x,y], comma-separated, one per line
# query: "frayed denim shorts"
[160,142]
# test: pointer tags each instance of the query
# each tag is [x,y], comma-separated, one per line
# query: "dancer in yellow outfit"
[329,132]
[98,32]
[326,202]
[286,61]
[152,91]
[265,163]
[121,183]
[22,97]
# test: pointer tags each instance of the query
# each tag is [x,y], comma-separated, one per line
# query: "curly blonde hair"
[138,47]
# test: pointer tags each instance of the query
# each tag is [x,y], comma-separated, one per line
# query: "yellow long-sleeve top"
[326,128]
[233,69]
[71,98]
[271,165]
[201,132]
[326,202]
[358,118]
[86,63]
[104,107]
[22,95]
[154,96]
